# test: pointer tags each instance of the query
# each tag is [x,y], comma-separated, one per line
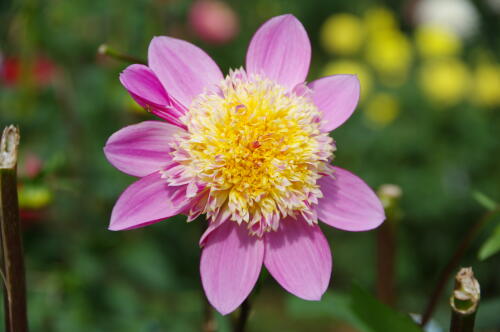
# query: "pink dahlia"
[252,152]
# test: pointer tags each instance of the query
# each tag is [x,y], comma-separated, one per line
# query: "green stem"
[453,263]
[12,249]
[241,322]
[464,301]
[108,51]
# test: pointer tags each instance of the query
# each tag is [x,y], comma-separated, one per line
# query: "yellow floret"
[257,148]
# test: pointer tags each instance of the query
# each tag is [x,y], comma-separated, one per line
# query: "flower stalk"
[464,301]
[105,50]
[241,322]
[389,195]
[12,249]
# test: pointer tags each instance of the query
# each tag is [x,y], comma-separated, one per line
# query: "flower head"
[252,152]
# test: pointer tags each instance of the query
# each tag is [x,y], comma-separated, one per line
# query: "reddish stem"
[386,256]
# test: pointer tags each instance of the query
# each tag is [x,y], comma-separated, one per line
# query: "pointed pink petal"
[147,201]
[280,50]
[143,85]
[183,68]
[336,96]
[212,226]
[298,257]
[348,203]
[230,266]
[142,148]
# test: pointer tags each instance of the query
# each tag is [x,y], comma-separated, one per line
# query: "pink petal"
[183,68]
[147,201]
[298,257]
[348,202]
[280,50]
[230,266]
[336,96]
[142,148]
[213,225]
[143,85]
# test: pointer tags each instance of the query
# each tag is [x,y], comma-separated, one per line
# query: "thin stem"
[464,301]
[390,195]
[386,256]
[12,249]
[453,263]
[241,322]
[108,51]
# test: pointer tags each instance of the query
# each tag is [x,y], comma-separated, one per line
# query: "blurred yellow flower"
[342,34]
[390,53]
[444,81]
[486,86]
[381,109]
[34,197]
[434,41]
[378,19]
[351,67]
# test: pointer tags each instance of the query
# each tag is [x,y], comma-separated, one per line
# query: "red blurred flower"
[41,71]
[44,71]
[10,70]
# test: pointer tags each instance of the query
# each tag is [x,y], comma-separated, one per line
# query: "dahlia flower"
[252,152]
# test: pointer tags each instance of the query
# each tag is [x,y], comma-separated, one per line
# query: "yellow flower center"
[256,150]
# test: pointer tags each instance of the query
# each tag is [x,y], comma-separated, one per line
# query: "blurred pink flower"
[31,166]
[252,152]
[213,21]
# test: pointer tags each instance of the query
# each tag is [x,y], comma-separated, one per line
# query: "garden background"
[428,121]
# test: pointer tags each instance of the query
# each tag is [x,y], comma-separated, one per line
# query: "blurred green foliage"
[492,245]
[358,308]
[438,143]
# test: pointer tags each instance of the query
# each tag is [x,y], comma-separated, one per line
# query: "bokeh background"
[428,121]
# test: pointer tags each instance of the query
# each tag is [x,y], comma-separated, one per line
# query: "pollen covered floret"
[252,153]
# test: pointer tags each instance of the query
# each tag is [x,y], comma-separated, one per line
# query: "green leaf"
[359,309]
[491,246]
[378,316]
[484,200]
[332,305]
